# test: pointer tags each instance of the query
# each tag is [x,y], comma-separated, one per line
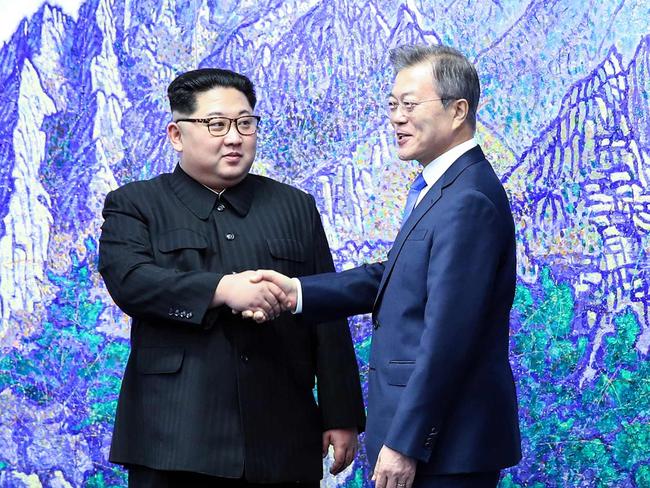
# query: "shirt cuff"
[298,296]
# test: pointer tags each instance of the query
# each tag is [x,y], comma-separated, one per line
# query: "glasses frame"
[207,121]
[409,107]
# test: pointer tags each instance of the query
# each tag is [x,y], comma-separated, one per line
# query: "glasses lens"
[247,125]
[219,126]
[408,106]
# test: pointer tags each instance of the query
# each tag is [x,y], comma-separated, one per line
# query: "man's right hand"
[246,291]
[283,283]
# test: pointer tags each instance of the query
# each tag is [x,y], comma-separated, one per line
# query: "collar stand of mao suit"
[201,200]
[240,197]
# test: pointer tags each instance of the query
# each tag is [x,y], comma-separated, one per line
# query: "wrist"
[220,293]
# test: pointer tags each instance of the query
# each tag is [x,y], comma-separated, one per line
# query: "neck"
[218,192]
[210,181]
[451,146]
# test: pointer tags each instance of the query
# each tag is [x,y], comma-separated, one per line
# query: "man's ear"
[460,110]
[175,136]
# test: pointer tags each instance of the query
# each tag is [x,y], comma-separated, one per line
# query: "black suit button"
[182,314]
[188,315]
[375,324]
[171,312]
[221,207]
[427,444]
[244,358]
[434,431]
[230,236]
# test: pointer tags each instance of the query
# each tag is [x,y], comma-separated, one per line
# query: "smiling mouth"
[401,137]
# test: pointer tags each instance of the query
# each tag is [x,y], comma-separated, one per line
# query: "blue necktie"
[414,192]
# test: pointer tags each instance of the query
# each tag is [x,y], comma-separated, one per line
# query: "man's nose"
[233,136]
[397,116]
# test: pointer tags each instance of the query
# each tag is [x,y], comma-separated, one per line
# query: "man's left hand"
[393,469]
[345,443]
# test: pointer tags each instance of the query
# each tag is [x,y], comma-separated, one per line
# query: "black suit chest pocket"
[183,249]
[288,255]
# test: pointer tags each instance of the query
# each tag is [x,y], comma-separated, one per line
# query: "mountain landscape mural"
[564,119]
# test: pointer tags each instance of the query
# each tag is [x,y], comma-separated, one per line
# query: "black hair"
[182,91]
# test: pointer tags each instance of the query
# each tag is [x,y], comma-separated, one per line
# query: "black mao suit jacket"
[204,390]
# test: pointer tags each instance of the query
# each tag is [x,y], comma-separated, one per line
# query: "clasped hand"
[259,295]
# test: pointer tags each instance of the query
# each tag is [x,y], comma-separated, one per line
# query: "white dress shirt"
[433,171]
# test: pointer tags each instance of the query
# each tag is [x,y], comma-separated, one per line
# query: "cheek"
[430,131]
[212,145]
[251,146]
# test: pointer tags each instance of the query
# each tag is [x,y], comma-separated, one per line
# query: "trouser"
[143,477]
[466,480]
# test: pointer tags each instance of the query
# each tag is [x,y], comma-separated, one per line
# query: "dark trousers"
[467,480]
[143,477]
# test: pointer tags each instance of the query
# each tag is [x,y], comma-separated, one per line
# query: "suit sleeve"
[463,263]
[338,383]
[344,294]
[139,286]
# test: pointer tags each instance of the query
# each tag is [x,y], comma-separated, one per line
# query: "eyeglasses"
[408,107]
[220,126]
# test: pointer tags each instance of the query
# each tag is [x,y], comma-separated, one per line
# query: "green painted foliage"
[589,430]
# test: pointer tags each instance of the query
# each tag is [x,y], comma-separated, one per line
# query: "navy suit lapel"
[472,156]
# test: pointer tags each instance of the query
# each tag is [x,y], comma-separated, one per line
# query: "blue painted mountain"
[582,205]
[584,182]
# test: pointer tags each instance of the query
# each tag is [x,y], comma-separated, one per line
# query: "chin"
[234,176]
[405,156]
[234,172]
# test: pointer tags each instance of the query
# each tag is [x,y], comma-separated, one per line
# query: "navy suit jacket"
[441,388]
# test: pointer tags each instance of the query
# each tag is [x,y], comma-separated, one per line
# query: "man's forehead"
[413,80]
[222,99]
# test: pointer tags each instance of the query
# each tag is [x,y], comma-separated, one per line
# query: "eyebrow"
[217,114]
[392,95]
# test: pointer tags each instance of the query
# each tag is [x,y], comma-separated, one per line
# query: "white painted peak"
[14,12]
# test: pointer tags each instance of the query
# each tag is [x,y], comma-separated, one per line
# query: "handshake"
[258,295]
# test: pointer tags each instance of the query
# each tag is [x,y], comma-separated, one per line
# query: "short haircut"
[182,91]
[454,76]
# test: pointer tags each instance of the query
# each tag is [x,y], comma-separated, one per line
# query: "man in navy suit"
[442,407]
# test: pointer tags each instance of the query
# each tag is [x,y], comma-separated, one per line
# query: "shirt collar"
[433,171]
[201,200]
[240,197]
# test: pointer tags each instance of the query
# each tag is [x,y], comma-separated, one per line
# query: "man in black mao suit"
[442,406]
[208,398]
